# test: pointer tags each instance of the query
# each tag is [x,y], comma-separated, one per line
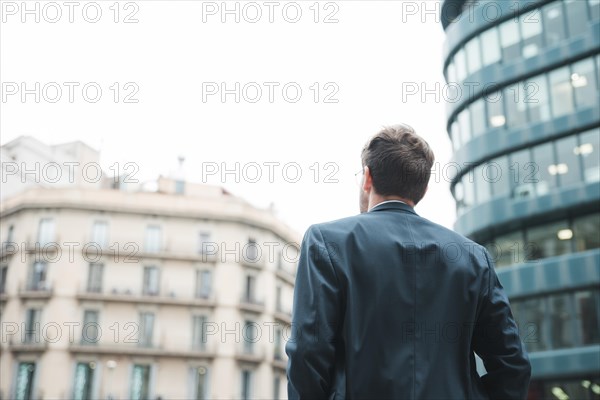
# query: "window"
[280,261]
[179,187]
[461,65]
[251,252]
[499,176]
[459,197]
[250,288]
[146,329]
[140,382]
[531,29]
[473,55]
[509,249]
[589,150]
[482,184]
[522,174]
[595,9]
[454,136]
[25,378]
[509,40]
[277,350]
[46,231]
[10,234]
[32,325]
[199,328]
[577,16]
[451,72]
[588,316]
[203,283]
[200,383]
[548,240]
[477,111]
[246,384]
[490,44]
[203,241]
[543,156]
[536,97]
[464,126]
[598,67]
[152,243]
[561,321]
[561,92]
[516,108]
[469,188]
[38,277]
[84,378]
[100,233]
[529,316]
[95,273]
[276,387]
[495,110]
[583,80]
[90,331]
[278,290]
[554,27]
[3,275]
[585,231]
[567,167]
[250,335]
[151,281]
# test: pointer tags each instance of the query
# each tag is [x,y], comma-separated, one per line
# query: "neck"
[375,199]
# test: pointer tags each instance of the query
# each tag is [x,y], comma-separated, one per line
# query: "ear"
[368,180]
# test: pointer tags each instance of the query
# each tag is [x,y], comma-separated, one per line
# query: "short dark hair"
[400,162]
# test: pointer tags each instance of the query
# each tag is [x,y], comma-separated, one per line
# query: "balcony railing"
[27,344]
[133,252]
[285,274]
[41,290]
[283,315]
[253,354]
[135,349]
[128,296]
[252,304]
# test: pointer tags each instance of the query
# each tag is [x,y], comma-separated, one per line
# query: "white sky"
[373,49]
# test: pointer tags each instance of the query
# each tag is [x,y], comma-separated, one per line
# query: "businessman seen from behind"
[389,305]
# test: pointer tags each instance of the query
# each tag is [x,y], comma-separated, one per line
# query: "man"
[389,305]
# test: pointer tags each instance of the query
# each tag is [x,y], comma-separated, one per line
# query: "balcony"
[160,298]
[282,315]
[254,354]
[49,247]
[251,304]
[279,363]
[285,274]
[136,349]
[8,248]
[257,264]
[29,345]
[36,290]
[132,252]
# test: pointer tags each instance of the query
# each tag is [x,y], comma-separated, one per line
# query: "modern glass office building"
[524,119]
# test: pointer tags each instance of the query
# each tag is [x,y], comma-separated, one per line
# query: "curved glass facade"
[525,130]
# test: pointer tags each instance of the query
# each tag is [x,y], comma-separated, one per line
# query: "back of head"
[400,162]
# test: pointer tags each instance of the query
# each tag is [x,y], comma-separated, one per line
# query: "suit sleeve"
[496,340]
[315,321]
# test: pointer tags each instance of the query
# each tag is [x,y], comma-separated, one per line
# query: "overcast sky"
[179,55]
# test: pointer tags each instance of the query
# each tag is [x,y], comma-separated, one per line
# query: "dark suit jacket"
[389,305]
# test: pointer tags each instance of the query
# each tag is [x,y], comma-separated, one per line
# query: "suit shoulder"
[336,226]
[452,237]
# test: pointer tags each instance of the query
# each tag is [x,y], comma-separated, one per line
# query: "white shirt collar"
[387,201]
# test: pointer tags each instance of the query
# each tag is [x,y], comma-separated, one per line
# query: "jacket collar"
[392,205]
